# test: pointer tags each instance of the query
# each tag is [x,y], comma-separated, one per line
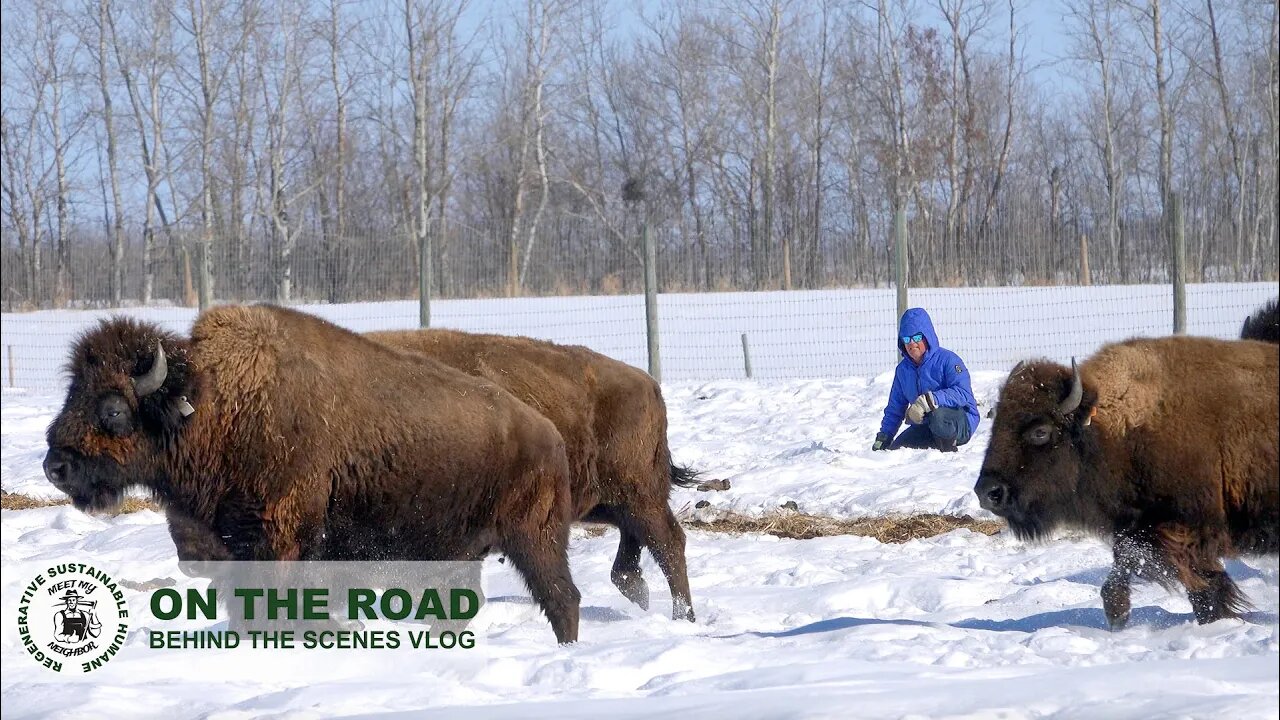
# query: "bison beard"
[614,424]
[309,441]
[1166,446]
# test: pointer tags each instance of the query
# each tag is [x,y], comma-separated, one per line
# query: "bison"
[1166,446]
[614,424]
[272,434]
[1264,324]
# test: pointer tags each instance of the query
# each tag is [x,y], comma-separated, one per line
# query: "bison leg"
[195,540]
[626,573]
[1218,599]
[1115,598]
[1115,591]
[1194,559]
[541,558]
[1133,554]
[660,531]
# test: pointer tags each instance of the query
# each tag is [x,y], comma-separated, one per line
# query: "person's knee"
[943,424]
[951,424]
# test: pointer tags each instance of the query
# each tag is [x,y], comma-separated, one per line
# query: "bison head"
[129,390]
[1032,471]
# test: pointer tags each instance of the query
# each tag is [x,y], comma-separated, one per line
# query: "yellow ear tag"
[1092,411]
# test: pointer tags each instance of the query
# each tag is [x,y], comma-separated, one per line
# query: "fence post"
[1084,260]
[746,356]
[744,339]
[900,257]
[424,277]
[651,300]
[1178,261]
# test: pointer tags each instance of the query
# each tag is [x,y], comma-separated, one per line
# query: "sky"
[961,625]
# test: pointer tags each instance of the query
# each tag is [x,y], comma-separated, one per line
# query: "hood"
[916,320]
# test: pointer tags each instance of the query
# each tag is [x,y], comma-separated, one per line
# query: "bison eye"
[114,415]
[1039,435]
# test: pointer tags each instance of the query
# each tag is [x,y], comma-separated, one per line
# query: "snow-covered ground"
[956,626]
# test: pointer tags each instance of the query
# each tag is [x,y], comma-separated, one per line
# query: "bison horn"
[1072,400]
[154,378]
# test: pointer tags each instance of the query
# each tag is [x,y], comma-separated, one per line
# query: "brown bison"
[1166,446]
[614,425]
[272,434]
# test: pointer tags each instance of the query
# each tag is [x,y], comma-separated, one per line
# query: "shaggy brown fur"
[1172,453]
[309,441]
[614,423]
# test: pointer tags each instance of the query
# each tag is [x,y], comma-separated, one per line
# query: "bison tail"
[684,476]
[1264,324]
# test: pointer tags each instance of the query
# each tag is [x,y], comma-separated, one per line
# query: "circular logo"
[72,618]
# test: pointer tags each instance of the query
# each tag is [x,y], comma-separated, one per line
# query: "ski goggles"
[908,339]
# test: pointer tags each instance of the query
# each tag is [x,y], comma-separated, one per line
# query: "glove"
[922,406]
[882,442]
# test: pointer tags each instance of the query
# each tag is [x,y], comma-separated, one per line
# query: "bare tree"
[754,41]
[680,55]
[1098,45]
[965,19]
[150,63]
[23,197]
[280,48]
[604,117]
[27,174]
[1218,75]
[541,57]
[96,39]
[1150,13]
[816,99]
[1013,75]
[890,95]
[436,71]
[57,49]
[775,140]
[210,24]
[334,35]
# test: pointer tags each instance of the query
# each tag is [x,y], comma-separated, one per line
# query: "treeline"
[335,149]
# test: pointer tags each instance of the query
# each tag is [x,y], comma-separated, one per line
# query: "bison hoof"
[1118,622]
[682,611]
[1115,603]
[633,587]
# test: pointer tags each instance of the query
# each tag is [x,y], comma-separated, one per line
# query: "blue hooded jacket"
[941,372]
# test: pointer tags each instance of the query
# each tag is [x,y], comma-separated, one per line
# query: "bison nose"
[993,495]
[55,468]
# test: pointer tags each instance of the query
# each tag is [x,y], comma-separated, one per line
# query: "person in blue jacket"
[931,390]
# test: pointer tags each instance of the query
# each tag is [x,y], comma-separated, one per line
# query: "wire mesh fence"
[798,334]
[1000,289]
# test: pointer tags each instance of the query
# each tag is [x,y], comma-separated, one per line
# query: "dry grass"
[886,529]
[799,526]
[14,501]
